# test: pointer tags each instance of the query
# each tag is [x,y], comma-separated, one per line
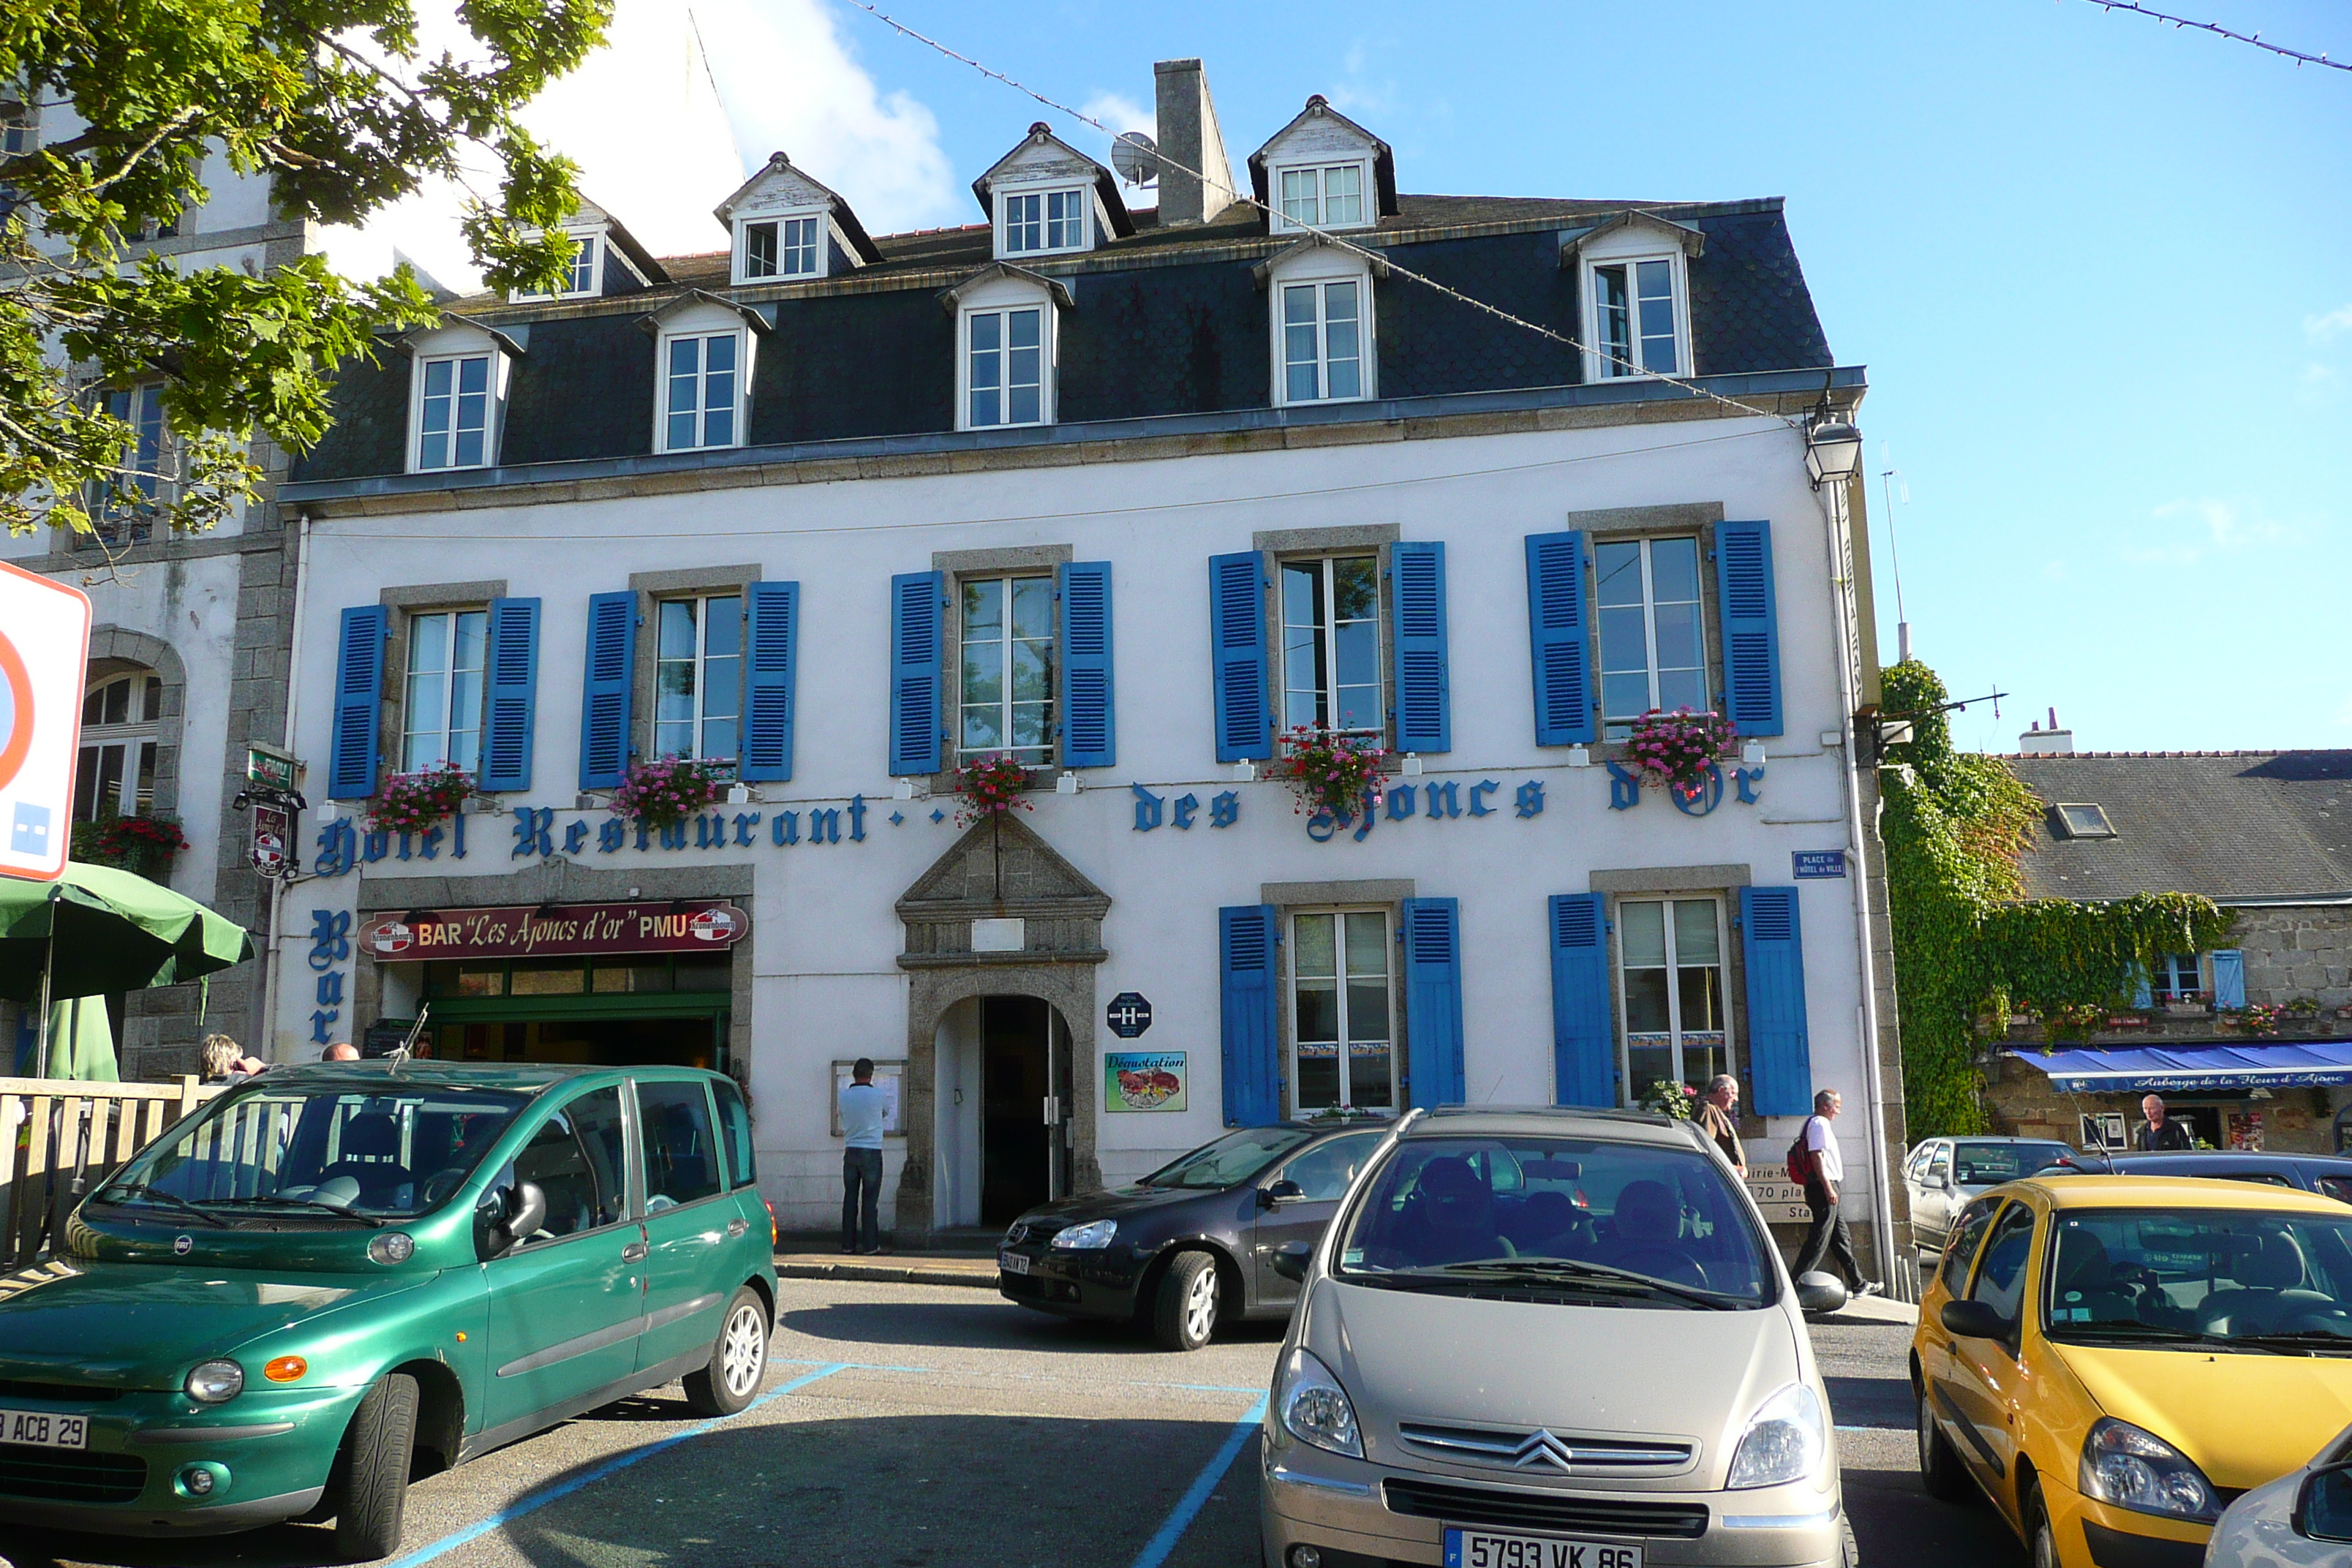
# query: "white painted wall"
[824,932]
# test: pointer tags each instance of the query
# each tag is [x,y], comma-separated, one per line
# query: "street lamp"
[1833,449]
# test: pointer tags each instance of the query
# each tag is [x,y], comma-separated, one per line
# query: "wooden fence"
[59,1138]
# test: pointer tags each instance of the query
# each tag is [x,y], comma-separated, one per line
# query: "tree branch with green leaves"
[341,108]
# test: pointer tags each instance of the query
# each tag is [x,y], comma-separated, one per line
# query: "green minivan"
[335,1277]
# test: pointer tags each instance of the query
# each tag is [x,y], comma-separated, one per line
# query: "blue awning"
[2198,1067]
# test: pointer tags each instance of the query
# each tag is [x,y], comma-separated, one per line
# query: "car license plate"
[1012,1263]
[36,1429]
[1510,1549]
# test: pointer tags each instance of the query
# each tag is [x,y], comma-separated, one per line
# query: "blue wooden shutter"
[359,703]
[1089,723]
[1583,1035]
[604,701]
[772,640]
[1751,627]
[2229,977]
[1424,710]
[1237,647]
[1559,639]
[1246,938]
[1432,1001]
[916,658]
[509,711]
[1780,1057]
[2142,993]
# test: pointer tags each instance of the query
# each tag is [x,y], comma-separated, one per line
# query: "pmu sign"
[44,653]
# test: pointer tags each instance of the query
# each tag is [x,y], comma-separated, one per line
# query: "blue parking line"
[537,1500]
[1188,1507]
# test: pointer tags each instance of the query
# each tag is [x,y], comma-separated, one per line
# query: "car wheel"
[1849,1548]
[2041,1539]
[1939,1462]
[738,1359]
[375,1483]
[1184,1314]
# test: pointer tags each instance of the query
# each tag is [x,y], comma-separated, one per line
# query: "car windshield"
[1989,1164]
[2203,1277]
[337,1154]
[1562,1219]
[1235,1158]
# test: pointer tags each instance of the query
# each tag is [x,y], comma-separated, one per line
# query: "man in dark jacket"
[2160,1133]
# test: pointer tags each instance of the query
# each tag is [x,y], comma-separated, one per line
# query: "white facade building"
[1122,508]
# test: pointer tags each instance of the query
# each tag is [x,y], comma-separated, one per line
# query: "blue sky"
[2100,269]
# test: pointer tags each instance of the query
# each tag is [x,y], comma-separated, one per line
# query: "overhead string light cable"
[1337,241]
[2299,57]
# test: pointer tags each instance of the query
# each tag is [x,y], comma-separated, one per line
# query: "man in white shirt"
[861,1105]
[1824,1173]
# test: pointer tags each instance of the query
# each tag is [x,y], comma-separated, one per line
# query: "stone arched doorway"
[1002,925]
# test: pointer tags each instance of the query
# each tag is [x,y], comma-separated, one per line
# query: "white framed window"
[114,775]
[1638,320]
[1652,633]
[1322,195]
[1670,991]
[123,512]
[585,276]
[780,246]
[1008,366]
[702,386]
[1006,682]
[1342,1011]
[1331,644]
[1322,338]
[1037,223]
[455,411]
[441,711]
[699,676]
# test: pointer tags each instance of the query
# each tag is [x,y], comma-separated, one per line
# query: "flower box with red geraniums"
[990,786]
[1327,771]
[1674,750]
[666,791]
[140,844]
[411,803]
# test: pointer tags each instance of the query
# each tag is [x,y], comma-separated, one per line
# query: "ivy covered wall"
[1970,948]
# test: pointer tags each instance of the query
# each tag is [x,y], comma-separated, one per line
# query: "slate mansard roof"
[1162,322]
[2233,825]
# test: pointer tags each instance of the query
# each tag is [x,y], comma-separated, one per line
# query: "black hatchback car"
[2329,1175]
[1190,1245]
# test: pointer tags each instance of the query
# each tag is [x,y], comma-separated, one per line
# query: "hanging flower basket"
[1667,1097]
[664,792]
[411,803]
[990,786]
[1674,750]
[140,844]
[1326,771]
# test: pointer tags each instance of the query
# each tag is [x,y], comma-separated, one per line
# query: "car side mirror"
[1975,1320]
[1290,1260]
[1935,1179]
[1280,1193]
[2323,1505]
[529,1210]
[1818,1292]
[506,1215]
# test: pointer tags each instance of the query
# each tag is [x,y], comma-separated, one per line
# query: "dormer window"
[1320,297]
[1327,196]
[1038,221]
[779,247]
[584,278]
[1633,280]
[1006,338]
[457,397]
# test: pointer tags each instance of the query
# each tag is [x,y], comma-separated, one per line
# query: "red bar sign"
[556,930]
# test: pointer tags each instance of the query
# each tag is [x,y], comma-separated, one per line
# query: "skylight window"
[2083,821]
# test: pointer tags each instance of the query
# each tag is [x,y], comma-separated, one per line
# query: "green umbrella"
[81,1042]
[96,930]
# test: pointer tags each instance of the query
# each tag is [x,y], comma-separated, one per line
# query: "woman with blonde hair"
[222,1060]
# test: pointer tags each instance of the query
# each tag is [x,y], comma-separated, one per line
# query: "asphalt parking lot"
[922,1426]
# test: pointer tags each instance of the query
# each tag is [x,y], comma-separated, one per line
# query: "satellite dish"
[1135,157]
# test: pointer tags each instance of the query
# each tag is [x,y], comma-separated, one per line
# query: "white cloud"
[2319,329]
[1355,94]
[792,83]
[669,117]
[2213,526]
[1120,113]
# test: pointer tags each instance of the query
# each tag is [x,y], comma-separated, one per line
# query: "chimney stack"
[1188,135]
[2051,743]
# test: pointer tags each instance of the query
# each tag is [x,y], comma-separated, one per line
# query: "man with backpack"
[1814,1160]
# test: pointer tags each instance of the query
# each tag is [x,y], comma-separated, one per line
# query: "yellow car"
[2114,1359]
